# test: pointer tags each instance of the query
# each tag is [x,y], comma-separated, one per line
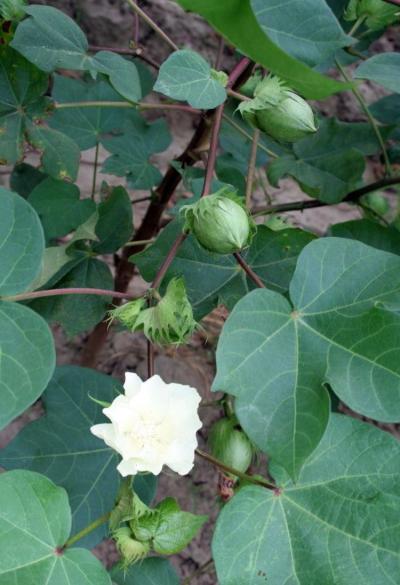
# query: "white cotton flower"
[152,424]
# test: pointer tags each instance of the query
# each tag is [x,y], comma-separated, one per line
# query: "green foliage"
[307,30]
[329,164]
[150,571]
[59,207]
[272,255]
[336,524]
[370,233]
[86,126]
[186,76]
[382,69]
[132,149]
[338,330]
[31,535]
[114,224]
[236,21]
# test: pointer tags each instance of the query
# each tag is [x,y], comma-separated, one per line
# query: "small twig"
[168,260]
[360,98]
[238,96]
[140,242]
[152,24]
[212,153]
[95,167]
[244,476]
[351,197]
[54,292]
[249,271]
[150,359]
[137,52]
[87,530]
[137,105]
[243,132]
[252,167]
[136,27]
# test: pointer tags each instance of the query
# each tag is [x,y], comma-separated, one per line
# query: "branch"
[122,104]
[153,25]
[249,271]
[40,294]
[85,531]
[250,478]
[351,197]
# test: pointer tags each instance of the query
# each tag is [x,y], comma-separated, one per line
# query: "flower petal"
[132,384]
[127,467]
[106,432]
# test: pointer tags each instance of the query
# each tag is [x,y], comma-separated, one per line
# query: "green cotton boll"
[131,550]
[230,445]
[12,9]
[378,13]
[279,112]
[219,223]
[171,321]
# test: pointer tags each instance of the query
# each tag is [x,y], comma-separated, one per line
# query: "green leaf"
[131,151]
[272,255]
[60,154]
[307,30]
[383,69]
[52,40]
[329,164]
[35,522]
[339,331]
[175,528]
[24,178]
[151,571]
[21,243]
[59,207]
[387,109]
[115,224]
[186,76]
[337,524]
[27,359]
[56,262]
[61,446]
[86,126]
[370,233]
[21,98]
[122,73]
[235,20]
[77,313]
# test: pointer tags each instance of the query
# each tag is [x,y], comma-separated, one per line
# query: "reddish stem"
[39,294]
[168,260]
[249,271]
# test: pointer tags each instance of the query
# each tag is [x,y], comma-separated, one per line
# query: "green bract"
[279,112]
[12,9]
[229,444]
[169,322]
[377,13]
[131,550]
[219,223]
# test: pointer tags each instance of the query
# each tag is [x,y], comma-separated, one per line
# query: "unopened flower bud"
[229,444]
[377,13]
[219,223]
[279,112]
[128,313]
[249,87]
[131,550]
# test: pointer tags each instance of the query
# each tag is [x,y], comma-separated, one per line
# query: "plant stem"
[238,96]
[96,163]
[40,294]
[136,52]
[360,98]
[138,105]
[152,24]
[168,260]
[351,197]
[140,242]
[356,25]
[248,270]
[87,530]
[233,471]
[150,359]
[212,153]
[252,167]
[249,136]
